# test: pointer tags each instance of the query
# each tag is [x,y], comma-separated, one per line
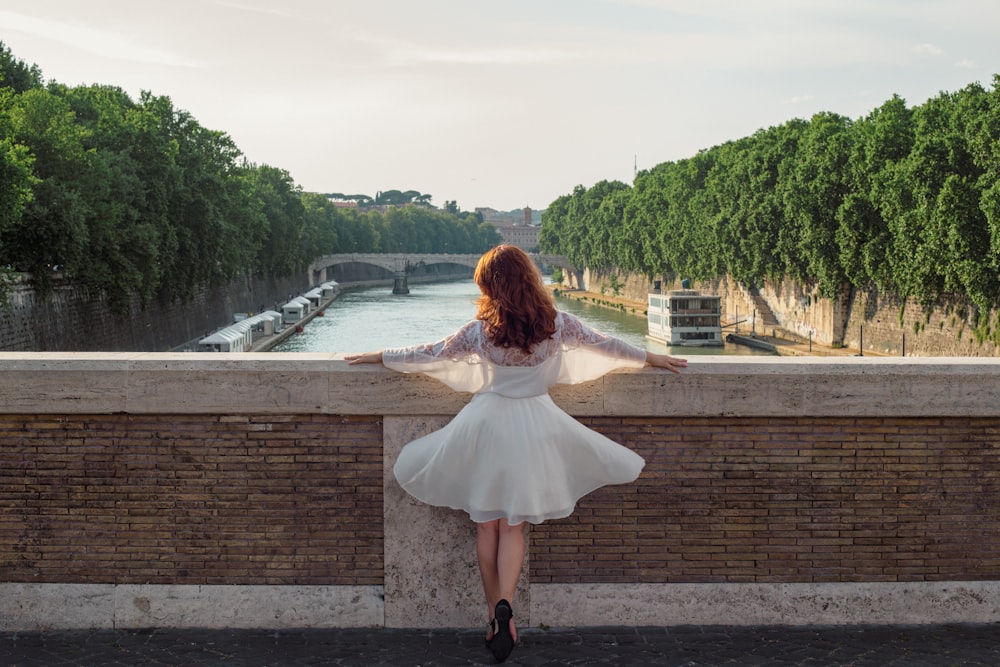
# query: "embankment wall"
[71,320]
[866,321]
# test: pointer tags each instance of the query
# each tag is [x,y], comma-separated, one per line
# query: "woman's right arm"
[673,364]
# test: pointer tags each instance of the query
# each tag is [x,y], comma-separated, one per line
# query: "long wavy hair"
[515,307]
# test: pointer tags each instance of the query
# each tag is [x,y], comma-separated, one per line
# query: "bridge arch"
[401,265]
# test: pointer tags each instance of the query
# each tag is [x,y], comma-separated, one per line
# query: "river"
[373,318]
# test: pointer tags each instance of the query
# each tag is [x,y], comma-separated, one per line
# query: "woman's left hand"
[673,364]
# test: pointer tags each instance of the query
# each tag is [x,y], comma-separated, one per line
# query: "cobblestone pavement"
[619,646]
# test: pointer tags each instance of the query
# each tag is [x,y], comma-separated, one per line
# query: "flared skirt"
[522,459]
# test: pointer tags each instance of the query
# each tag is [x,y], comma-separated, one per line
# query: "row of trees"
[385,198]
[905,199]
[134,197]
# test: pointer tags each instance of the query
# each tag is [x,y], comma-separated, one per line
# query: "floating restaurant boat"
[684,317]
[239,336]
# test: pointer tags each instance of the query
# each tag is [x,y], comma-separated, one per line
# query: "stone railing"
[255,490]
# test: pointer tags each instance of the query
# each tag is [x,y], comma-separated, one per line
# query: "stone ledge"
[40,607]
[307,383]
[861,603]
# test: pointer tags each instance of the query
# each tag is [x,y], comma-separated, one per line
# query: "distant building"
[515,227]
[524,237]
[499,218]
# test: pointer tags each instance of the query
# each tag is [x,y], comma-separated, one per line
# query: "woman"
[511,455]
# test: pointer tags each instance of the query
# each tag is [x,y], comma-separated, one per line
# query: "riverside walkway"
[620,646]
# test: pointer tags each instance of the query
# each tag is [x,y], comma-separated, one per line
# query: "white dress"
[511,452]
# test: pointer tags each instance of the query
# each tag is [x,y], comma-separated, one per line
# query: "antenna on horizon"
[635,166]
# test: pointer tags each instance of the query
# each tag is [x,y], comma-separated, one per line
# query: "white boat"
[684,317]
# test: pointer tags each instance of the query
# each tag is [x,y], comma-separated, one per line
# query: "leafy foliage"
[906,200]
[136,198]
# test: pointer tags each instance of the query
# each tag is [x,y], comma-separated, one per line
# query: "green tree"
[123,245]
[880,142]
[554,224]
[648,229]
[321,218]
[17,177]
[815,192]
[51,232]
[280,201]
[16,74]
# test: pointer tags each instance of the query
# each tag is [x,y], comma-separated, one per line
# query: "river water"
[374,318]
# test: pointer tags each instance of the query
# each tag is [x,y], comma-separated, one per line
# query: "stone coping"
[40,606]
[323,383]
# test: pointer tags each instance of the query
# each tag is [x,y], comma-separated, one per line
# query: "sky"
[503,103]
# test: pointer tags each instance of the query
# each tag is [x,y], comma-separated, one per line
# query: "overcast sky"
[503,103]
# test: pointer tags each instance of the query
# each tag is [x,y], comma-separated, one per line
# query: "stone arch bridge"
[400,265]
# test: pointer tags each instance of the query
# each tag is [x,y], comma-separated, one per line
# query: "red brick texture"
[787,500]
[297,500]
[180,499]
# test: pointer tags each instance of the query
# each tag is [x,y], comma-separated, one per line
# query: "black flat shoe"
[502,642]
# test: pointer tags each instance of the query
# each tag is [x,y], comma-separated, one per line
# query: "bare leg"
[487,544]
[500,550]
[510,558]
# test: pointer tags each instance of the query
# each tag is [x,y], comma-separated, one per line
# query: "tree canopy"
[136,198]
[906,200]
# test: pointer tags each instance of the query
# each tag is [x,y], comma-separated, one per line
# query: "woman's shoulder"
[473,326]
[472,332]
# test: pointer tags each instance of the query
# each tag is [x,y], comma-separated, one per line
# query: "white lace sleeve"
[454,360]
[589,354]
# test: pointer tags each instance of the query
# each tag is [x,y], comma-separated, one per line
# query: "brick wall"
[788,500]
[289,500]
[191,499]
[143,490]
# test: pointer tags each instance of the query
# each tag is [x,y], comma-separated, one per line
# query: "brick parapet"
[777,500]
[191,499]
[256,471]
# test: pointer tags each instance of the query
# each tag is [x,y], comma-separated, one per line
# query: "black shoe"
[502,642]
[492,625]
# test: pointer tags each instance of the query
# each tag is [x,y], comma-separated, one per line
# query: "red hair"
[516,309]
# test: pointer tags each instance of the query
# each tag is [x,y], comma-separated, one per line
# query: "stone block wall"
[885,325]
[71,320]
[866,321]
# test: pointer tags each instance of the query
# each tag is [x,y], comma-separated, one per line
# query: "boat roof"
[685,292]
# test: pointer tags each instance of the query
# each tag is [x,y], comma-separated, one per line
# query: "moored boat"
[684,317]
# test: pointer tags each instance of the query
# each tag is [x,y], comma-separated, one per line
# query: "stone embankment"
[786,343]
[71,320]
[853,322]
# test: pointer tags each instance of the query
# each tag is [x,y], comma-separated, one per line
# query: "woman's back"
[570,333]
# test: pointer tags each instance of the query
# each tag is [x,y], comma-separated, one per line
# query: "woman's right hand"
[366,358]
